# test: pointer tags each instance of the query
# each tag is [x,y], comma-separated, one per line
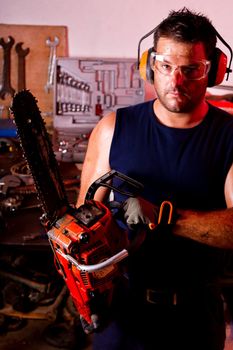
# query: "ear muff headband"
[218,62]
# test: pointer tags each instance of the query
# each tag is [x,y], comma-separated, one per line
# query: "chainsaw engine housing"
[89,235]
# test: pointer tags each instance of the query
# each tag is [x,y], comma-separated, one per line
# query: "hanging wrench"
[21,65]
[6,87]
[52,62]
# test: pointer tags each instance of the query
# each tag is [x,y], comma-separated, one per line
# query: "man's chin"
[178,104]
[176,107]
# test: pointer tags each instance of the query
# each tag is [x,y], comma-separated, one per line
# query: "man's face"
[175,91]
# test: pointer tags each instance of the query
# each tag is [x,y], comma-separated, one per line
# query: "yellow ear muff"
[216,75]
[143,65]
[146,73]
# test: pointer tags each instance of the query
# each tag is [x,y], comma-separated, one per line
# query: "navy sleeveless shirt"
[187,166]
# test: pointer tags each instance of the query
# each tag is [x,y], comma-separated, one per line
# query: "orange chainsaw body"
[87,241]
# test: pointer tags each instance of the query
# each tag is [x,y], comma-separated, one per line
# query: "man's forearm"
[214,228]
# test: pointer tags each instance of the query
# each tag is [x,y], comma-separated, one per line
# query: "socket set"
[86,89]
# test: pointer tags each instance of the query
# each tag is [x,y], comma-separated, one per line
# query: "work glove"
[138,211]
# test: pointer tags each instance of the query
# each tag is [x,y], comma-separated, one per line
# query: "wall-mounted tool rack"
[86,89]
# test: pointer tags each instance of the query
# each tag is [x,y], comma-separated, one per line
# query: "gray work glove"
[138,211]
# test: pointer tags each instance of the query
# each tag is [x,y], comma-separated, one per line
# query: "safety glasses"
[195,70]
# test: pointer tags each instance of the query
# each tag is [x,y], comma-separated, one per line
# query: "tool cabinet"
[86,89]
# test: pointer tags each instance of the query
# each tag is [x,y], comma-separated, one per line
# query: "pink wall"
[110,28]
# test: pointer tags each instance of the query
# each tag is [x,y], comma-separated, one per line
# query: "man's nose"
[177,76]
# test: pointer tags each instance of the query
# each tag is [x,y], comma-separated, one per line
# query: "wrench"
[52,62]
[6,85]
[21,65]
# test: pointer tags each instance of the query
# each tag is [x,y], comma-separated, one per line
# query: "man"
[181,149]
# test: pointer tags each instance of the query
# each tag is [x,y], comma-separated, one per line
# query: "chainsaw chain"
[38,151]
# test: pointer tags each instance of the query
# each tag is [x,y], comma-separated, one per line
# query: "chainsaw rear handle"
[104,181]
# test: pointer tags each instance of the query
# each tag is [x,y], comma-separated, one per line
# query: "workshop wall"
[107,28]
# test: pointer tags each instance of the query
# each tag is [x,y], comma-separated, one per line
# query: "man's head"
[184,43]
[185,26]
[188,27]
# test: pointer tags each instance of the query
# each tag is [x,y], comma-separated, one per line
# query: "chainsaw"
[87,242]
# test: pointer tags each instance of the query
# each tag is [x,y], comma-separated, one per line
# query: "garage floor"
[37,335]
[40,335]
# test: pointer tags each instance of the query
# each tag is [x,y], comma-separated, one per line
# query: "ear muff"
[146,73]
[218,68]
[218,62]
[216,74]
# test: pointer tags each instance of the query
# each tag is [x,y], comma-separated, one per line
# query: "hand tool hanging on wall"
[22,53]
[6,84]
[52,61]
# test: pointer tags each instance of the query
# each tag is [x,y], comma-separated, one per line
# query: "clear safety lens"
[196,70]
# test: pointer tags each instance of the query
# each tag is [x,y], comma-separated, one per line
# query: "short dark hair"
[188,26]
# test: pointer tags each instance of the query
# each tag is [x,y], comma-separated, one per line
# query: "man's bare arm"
[214,228]
[96,161]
